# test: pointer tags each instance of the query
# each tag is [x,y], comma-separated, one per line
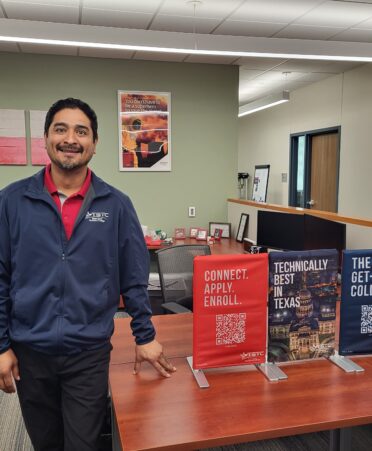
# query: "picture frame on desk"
[224,226]
[202,235]
[217,234]
[242,229]
[193,232]
[179,233]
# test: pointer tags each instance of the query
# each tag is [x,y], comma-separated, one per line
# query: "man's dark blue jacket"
[59,296]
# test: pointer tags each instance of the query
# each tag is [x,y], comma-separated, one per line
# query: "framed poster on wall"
[260,182]
[144,131]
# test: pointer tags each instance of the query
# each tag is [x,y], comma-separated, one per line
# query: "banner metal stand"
[271,371]
[345,364]
[199,375]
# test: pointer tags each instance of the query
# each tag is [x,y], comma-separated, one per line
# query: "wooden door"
[324,172]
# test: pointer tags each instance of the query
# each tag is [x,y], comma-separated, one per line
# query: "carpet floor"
[13,435]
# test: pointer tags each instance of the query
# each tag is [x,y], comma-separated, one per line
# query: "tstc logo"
[97,216]
[251,355]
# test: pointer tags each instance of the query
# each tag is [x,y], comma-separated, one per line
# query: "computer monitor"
[324,234]
[289,231]
[280,230]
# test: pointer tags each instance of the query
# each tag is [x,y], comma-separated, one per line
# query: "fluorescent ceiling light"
[47,33]
[184,51]
[262,104]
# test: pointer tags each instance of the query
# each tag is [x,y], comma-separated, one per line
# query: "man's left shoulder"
[115,193]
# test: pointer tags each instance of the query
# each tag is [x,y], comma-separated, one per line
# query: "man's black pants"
[63,398]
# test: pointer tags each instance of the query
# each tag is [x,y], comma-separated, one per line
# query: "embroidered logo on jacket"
[96,216]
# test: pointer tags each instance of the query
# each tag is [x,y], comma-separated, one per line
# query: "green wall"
[203,120]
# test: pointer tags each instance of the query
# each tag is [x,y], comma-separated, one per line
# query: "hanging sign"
[230,310]
[302,304]
[356,303]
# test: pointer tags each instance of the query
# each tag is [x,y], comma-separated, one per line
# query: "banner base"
[271,371]
[198,375]
[345,364]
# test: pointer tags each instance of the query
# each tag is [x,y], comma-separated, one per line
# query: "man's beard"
[70,165]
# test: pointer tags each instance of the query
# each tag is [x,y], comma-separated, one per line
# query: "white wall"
[355,188]
[345,100]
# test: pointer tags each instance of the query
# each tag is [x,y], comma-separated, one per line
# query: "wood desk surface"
[240,405]
[174,333]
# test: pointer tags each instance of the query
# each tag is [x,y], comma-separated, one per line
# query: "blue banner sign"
[356,303]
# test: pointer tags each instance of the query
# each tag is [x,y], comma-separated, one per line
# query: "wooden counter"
[154,413]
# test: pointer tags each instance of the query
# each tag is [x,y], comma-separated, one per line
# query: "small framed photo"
[193,232]
[243,224]
[224,226]
[180,233]
[202,235]
[217,234]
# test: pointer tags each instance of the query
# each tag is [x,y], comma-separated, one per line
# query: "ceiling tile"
[259,63]
[308,32]
[337,14]
[45,2]
[249,94]
[275,76]
[40,12]
[314,76]
[111,18]
[105,53]
[211,59]
[8,47]
[367,24]
[159,56]
[49,49]
[185,24]
[249,74]
[354,35]
[330,67]
[240,28]
[216,9]
[273,10]
[139,6]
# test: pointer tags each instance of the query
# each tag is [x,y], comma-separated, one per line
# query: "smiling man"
[70,244]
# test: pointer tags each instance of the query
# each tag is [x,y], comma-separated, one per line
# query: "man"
[69,245]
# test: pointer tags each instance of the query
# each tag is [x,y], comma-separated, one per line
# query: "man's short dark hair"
[72,104]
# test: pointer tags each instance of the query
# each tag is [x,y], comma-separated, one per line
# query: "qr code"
[366,319]
[230,328]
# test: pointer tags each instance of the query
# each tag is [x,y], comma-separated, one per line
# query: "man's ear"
[45,140]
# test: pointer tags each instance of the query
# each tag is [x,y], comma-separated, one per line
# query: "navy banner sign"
[302,304]
[356,303]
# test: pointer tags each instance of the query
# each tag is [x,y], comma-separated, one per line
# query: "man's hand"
[8,371]
[153,352]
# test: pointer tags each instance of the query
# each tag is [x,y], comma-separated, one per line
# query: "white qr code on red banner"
[230,328]
[366,319]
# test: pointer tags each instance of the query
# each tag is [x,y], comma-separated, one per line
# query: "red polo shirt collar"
[51,187]
[71,207]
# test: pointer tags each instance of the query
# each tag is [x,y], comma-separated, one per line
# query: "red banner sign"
[230,310]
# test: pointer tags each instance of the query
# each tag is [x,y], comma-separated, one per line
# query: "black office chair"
[175,266]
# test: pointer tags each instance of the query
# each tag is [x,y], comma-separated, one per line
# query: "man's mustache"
[76,149]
